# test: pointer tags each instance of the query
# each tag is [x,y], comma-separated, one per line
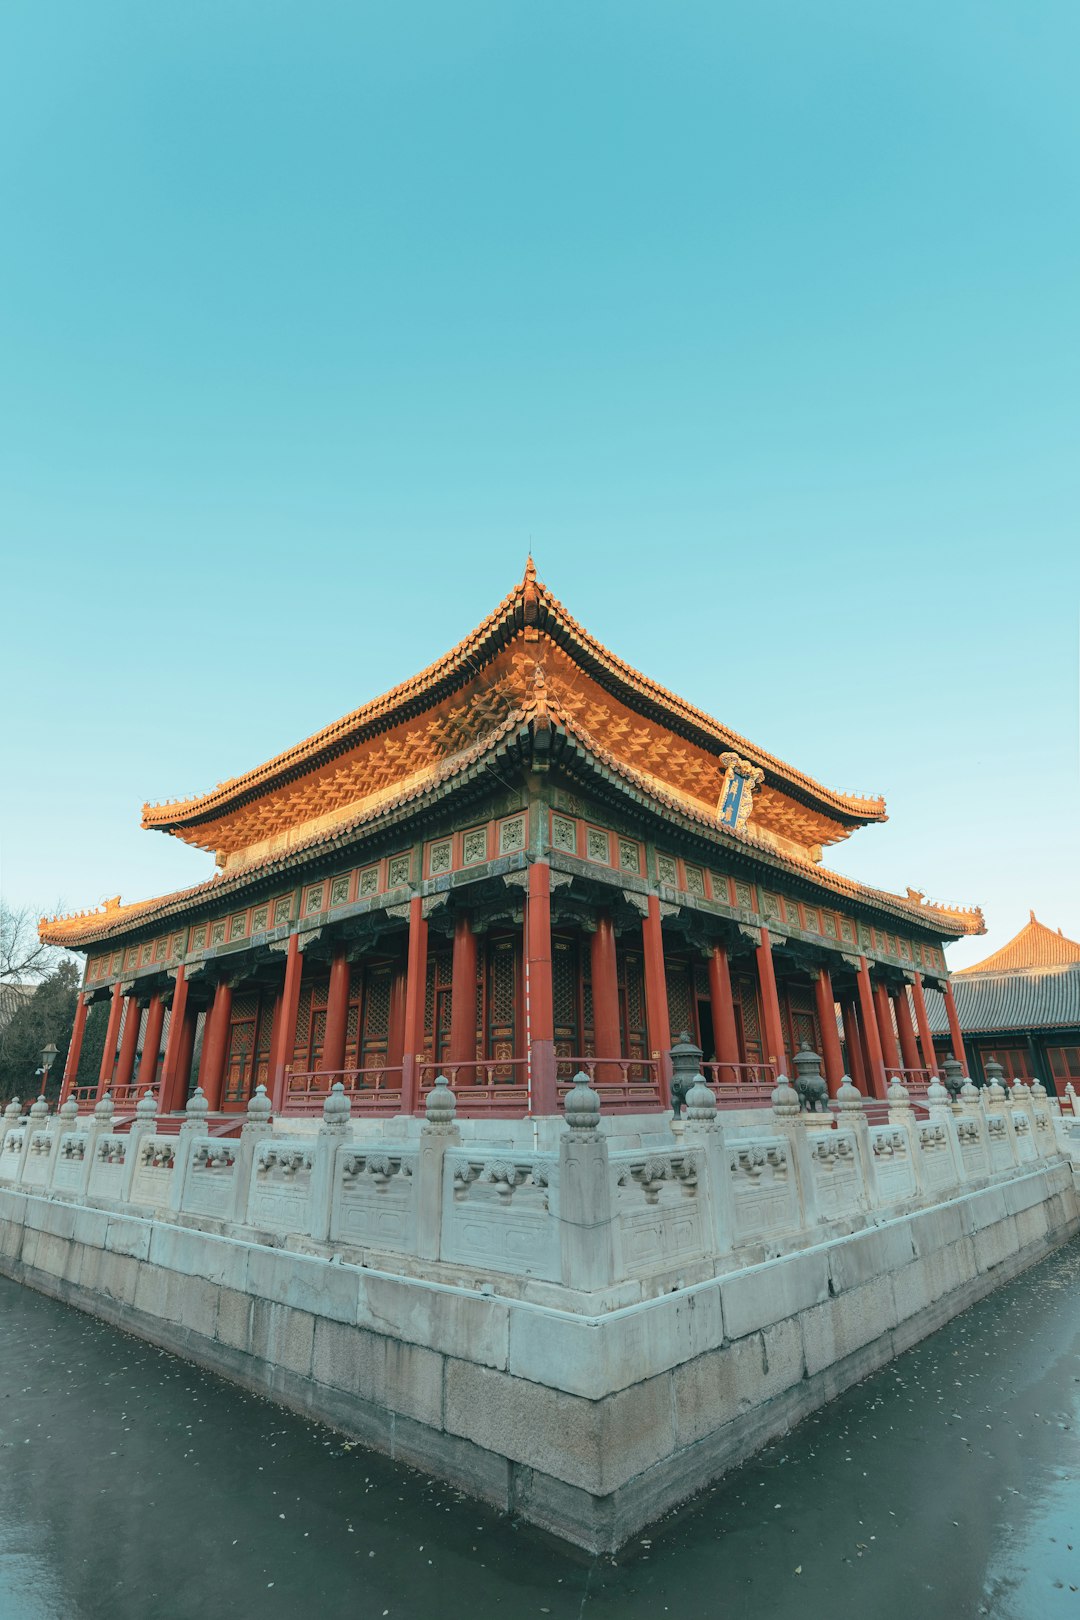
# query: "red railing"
[126,1096]
[486,1087]
[741,1085]
[372,1090]
[626,1085]
[916,1080]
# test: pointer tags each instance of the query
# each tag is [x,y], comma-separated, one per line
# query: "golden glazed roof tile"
[542,712]
[1034,947]
[528,610]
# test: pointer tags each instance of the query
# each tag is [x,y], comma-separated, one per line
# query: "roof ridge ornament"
[530,596]
[736,801]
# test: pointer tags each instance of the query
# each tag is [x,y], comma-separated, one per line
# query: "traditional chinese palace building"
[527,859]
[1022,1006]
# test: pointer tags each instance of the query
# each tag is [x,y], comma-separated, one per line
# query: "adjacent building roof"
[1035,946]
[1033,983]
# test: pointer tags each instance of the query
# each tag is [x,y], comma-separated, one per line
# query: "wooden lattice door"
[247,1063]
[501,997]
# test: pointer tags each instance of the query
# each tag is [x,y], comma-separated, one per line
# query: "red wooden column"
[607,1034]
[540,1003]
[282,1052]
[169,1099]
[151,1045]
[185,1054]
[415,1000]
[954,1026]
[868,1023]
[725,1034]
[129,1042]
[883,1007]
[770,1005]
[831,1054]
[909,1051]
[112,1035]
[215,1046]
[71,1067]
[463,997]
[337,1013]
[926,1039]
[656,1006]
[853,1042]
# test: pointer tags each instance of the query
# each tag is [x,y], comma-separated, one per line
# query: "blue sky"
[760,321]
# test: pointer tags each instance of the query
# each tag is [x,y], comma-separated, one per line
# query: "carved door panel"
[438,1006]
[500,1003]
[747,1017]
[375,1014]
[634,1030]
[566,999]
[247,1062]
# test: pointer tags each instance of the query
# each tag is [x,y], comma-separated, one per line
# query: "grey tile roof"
[1036,999]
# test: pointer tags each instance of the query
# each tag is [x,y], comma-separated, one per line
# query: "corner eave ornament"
[737,792]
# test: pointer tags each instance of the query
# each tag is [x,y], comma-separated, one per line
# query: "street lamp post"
[48,1058]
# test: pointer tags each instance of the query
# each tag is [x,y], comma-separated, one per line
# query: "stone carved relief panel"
[280,1192]
[375,1199]
[763,1185]
[834,1160]
[894,1171]
[657,1206]
[497,1212]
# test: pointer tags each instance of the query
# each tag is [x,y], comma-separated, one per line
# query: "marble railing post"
[37,1121]
[67,1119]
[11,1116]
[142,1129]
[902,1117]
[333,1134]
[258,1125]
[438,1132]
[704,1133]
[787,1119]
[851,1115]
[193,1127]
[586,1239]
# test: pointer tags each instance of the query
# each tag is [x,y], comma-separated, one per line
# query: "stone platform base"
[590,1427]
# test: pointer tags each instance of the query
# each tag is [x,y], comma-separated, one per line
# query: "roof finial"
[1031,915]
[530,595]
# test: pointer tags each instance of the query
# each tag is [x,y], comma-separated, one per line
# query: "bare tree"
[24,958]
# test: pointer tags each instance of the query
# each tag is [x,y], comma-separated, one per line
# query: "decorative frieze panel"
[152,1182]
[939,1172]
[497,1212]
[837,1172]
[374,1204]
[972,1144]
[11,1155]
[280,1193]
[999,1142]
[763,1184]
[36,1168]
[70,1167]
[658,1209]
[211,1182]
[894,1172]
[1025,1146]
[109,1167]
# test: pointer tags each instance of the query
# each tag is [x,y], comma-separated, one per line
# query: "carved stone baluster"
[439,1132]
[585,1209]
